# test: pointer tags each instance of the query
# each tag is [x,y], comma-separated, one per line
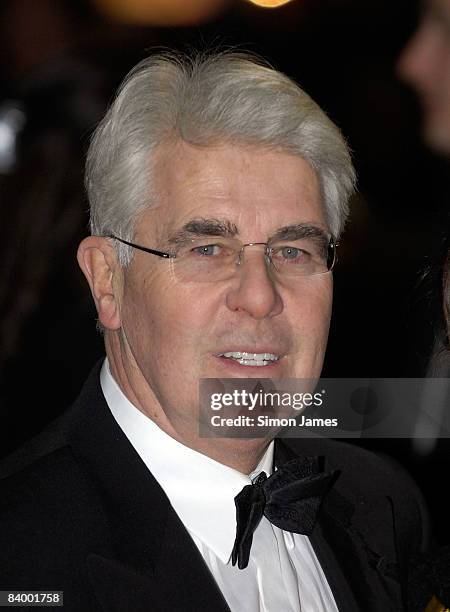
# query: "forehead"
[256,188]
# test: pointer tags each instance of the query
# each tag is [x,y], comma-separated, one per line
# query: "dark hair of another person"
[437,279]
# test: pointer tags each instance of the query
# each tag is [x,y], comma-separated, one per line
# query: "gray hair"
[206,100]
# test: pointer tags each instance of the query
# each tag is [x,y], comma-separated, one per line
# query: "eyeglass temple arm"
[141,248]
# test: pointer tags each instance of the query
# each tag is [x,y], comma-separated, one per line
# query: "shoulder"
[373,473]
[39,483]
[51,439]
[45,476]
[365,477]
[51,447]
[43,466]
[50,518]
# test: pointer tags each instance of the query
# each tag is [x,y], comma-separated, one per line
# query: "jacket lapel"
[180,581]
[355,545]
[148,560]
[362,551]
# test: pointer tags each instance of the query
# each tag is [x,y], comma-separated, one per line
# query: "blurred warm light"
[269,3]
[160,12]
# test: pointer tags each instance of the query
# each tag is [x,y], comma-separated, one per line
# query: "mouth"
[244,358]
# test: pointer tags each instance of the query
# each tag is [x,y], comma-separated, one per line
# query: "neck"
[242,455]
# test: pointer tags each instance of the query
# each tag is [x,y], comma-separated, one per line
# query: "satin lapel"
[148,560]
[360,542]
[180,583]
[355,547]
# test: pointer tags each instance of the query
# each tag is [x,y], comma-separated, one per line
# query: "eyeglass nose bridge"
[267,252]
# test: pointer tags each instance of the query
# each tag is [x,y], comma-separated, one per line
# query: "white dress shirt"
[283,574]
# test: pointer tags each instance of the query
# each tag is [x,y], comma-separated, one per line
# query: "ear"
[98,261]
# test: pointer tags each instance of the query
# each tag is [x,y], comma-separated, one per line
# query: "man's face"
[425,63]
[178,332]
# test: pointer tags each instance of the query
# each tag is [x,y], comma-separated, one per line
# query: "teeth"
[251,359]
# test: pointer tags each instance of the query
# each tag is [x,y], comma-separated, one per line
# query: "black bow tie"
[290,499]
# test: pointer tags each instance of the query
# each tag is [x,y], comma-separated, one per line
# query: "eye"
[290,254]
[207,250]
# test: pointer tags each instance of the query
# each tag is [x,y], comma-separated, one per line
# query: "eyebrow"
[203,227]
[299,231]
[227,229]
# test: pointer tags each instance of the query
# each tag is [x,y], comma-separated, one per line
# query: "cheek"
[318,322]
[144,312]
[185,313]
[309,321]
[313,307]
[168,318]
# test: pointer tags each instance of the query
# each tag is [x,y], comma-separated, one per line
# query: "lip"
[233,368]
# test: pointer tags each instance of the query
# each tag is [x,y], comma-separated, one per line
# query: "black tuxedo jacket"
[80,512]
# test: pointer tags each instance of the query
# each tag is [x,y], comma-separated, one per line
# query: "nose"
[255,291]
[417,62]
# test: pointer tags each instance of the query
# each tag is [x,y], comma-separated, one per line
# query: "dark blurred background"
[60,62]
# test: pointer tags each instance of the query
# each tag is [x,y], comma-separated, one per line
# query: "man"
[217,189]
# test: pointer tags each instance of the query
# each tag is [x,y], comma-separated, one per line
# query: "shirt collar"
[200,490]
